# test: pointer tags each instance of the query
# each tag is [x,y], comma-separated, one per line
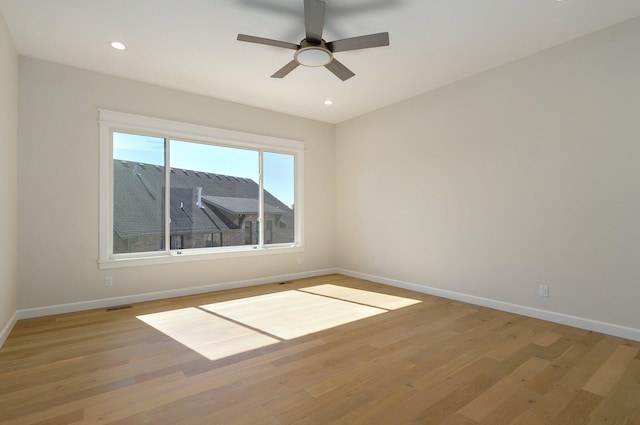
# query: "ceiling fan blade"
[339,70]
[267,41]
[282,72]
[314,20]
[361,42]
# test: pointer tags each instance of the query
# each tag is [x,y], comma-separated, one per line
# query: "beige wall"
[8,177]
[59,181]
[524,175]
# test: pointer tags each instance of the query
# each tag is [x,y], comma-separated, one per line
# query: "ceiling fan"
[313,50]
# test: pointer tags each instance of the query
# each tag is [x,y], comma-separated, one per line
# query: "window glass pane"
[279,185]
[176,242]
[138,193]
[248,232]
[213,240]
[214,194]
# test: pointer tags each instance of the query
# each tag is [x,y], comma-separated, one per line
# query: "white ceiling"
[191,44]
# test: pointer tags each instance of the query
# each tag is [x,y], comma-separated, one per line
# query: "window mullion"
[167,195]
[261,225]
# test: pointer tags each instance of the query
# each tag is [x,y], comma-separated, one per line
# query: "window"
[248,232]
[171,189]
[268,234]
[213,239]
[176,241]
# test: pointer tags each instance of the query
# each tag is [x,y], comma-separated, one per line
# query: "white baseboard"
[551,316]
[152,296]
[565,319]
[4,334]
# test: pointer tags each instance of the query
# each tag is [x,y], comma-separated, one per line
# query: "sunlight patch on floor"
[231,327]
[374,299]
[211,336]
[291,314]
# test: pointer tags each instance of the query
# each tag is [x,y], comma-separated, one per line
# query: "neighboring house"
[207,210]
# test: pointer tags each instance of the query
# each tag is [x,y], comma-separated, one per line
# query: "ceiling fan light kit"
[313,51]
[311,55]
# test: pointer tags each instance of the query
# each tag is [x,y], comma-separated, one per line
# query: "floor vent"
[120,307]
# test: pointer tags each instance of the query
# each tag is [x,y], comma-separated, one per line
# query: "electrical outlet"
[376,263]
[544,291]
[108,282]
[299,260]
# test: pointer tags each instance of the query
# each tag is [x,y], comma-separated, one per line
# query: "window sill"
[196,255]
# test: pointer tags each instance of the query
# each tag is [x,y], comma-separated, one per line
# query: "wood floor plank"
[547,338]
[579,409]
[557,369]
[434,361]
[485,403]
[623,399]
[561,392]
[520,400]
[458,419]
[611,371]
[451,404]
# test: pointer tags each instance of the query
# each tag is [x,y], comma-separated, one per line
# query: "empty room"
[320,212]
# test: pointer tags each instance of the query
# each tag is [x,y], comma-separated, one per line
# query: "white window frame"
[111,121]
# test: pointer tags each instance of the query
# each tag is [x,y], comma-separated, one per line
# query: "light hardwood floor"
[260,356]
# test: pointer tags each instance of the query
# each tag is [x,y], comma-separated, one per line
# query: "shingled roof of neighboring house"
[139,200]
[240,205]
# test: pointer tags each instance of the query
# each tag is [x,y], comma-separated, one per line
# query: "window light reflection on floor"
[231,327]
[292,314]
[375,299]
[210,336]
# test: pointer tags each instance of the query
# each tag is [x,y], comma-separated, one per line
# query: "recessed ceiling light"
[328,102]
[118,46]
